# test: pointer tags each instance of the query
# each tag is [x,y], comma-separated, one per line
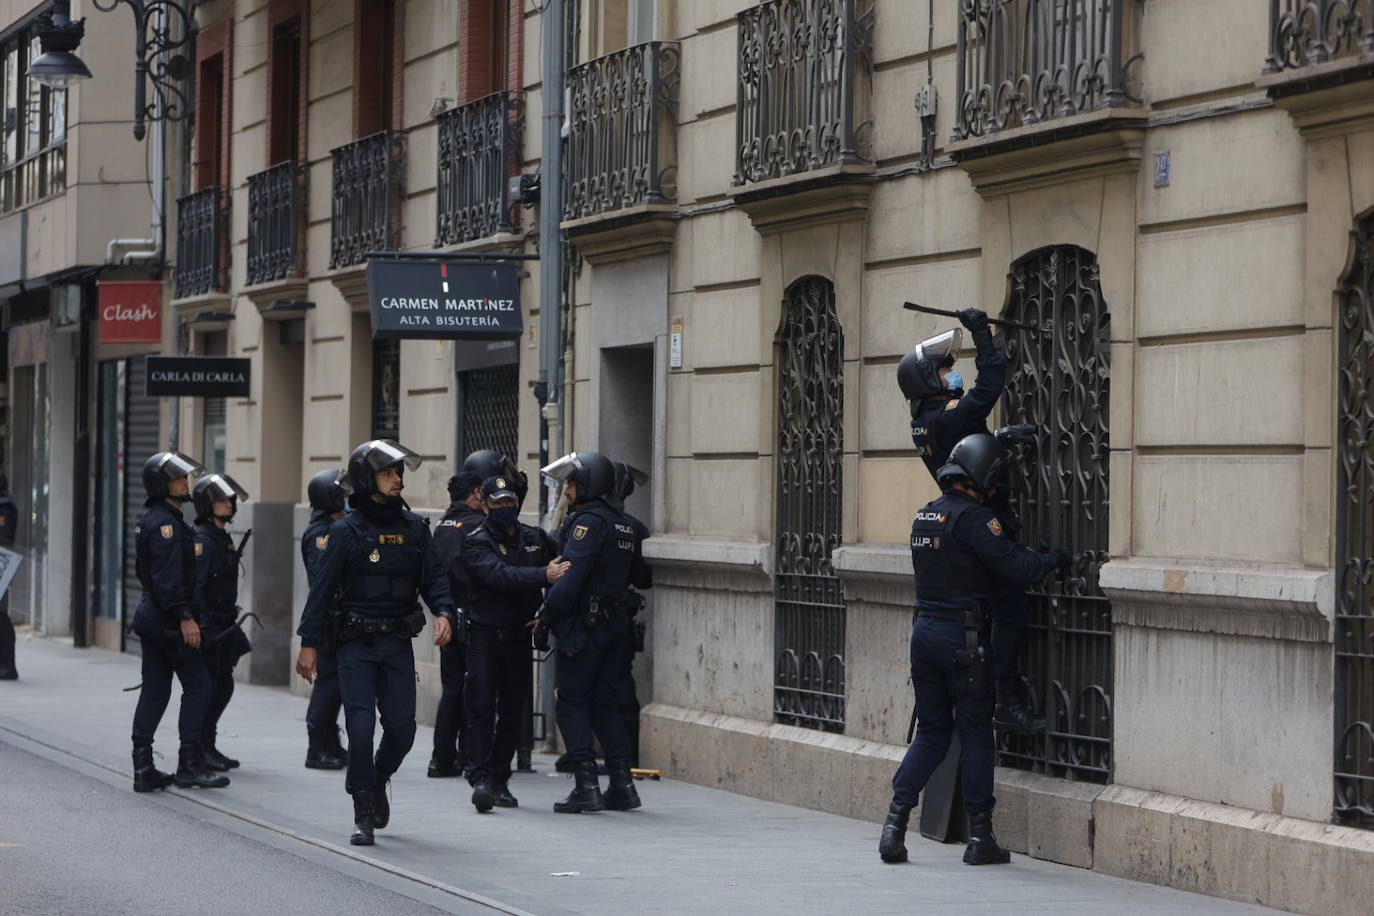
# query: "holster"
[594,615]
[971,664]
[462,627]
[638,630]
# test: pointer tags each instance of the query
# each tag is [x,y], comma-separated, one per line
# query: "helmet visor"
[941,347]
[222,486]
[385,453]
[562,470]
[175,465]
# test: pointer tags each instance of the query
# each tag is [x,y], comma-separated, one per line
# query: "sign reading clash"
[198,376]
[444,300]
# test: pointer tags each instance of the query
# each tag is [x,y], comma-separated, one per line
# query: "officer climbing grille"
[809,684]
[1354,633]
[1059,380]
[491,410]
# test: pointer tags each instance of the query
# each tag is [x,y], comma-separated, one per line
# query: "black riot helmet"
[165,467]
[325,493]
[489,463]
[212,487]
[627,477]
[977,459]
[918,373]
[592,472]
[359,477]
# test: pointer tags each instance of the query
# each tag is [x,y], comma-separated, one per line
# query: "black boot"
[213,758]
[364,812]
[381,804]
[892,846]
[1012,714]
[621,794]
[586,794]
[320,755]
[148,778]
[483,795]
[503,797]
[982,844]
[192,771]
[442,769]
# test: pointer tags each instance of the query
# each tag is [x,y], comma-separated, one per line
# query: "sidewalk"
[688,850]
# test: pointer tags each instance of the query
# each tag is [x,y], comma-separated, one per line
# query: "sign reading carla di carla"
[444,300]
[198,376]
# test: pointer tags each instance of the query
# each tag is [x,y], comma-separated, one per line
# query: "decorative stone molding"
[351,282]
[622,235]
[828,195]
[878,574]
[499,243]
[681,561]
[1269,602]
[205,304]
[1333,97]
[289,289]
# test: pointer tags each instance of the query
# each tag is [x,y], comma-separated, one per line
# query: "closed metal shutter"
[140,441]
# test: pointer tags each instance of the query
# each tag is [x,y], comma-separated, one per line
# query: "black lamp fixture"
[58,67]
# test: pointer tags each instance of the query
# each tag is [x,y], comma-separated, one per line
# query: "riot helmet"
[325,493]
[592,473]
[918,373]
[490,463]
[359,477]
[163,468]
[627,478]
[978,459]
[214,487]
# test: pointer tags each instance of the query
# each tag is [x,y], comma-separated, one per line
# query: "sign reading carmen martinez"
[198,376]
[443,300]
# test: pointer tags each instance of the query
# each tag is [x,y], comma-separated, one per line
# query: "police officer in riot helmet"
[166,621]
[491,463]
[627,697]
[588,611]
[963,561]
[376,564]
[942,413]
[325,751]
[216,498]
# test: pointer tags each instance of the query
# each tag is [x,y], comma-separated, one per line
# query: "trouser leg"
[973,719]
[221,692]
[395,704]
[576,682]
[479,695]
[7,637]
[512,686]
[358,676]
[606,718]
[322,715]
[627,699]
[195,697]
[1010,618]
[932,657]
[155,694]
[451,720]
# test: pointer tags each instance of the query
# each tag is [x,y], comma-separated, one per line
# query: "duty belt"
[354,625]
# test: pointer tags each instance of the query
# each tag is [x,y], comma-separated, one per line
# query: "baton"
[949,313]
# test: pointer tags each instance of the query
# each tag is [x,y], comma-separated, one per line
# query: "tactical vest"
[382,572]
[159,517]
[948,574]
[610,576]
[221,591]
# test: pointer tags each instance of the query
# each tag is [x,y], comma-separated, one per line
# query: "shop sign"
[130,312]
[444,300]
[198,376]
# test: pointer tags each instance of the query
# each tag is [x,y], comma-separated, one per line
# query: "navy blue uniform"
[451,718]
[963,561]
[9,527]
[165,559]
[506,575]
[322,715]
[375,564]
[217,593]
[603,548]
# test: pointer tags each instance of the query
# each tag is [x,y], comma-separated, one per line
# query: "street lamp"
[58,67]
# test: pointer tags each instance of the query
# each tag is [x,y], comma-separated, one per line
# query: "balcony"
[1306,33]
[366,198]
[202,243]
[276,217]
[622,138]
[479,151]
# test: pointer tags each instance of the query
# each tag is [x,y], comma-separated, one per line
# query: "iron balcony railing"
[479,151]
[799,106]
[365,215]
[276,210]
[202,252]
[622,139]
[1307,32]
[1025,62]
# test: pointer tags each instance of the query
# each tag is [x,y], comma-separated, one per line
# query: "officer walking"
[377,562]
[942,414]
[165,621]
[587,610]
[506,566]
[963,561]
[216,498]
[325,751]
[9,527]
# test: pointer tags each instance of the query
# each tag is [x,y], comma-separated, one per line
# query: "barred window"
[33,152]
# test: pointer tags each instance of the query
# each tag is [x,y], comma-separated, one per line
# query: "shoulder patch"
[579,532]
[952,404]
[322,542]
[166,531]
[995,527]
[450,523]
[200,548]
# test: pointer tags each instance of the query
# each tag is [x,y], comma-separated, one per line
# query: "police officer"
[377,562]
[942,413]
[963,561]
[627,697]
[166,622]
[325,750]
[216,498]
[506,566]
[9,526]
[464,516]
[587,610]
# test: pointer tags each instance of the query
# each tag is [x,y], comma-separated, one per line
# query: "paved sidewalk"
[689,850]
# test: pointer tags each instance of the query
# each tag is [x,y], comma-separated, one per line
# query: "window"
[33,153]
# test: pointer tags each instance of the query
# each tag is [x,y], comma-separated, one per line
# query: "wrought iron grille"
[366,197]
[276,209]
[622,138]
[1059,381]
[1306,32]
[479,150]
[1354,634]
[1027,61]
[799,106]
[202,252]
[809,598]
[491,409]
[386,389]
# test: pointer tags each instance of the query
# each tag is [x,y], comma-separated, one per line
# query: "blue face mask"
[954,380]
[505,516]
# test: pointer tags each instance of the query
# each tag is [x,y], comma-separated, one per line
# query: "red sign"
[130,312]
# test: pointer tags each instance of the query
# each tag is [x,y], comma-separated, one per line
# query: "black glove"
[1020,434]
[541,636]
[1063,557]
[974,319]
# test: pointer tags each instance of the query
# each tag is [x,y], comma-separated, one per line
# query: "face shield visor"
[222,486]
[175,465]
[942,349]
[378,455]
[561,471]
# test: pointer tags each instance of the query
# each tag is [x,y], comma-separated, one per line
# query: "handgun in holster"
[971,664]
[462,627]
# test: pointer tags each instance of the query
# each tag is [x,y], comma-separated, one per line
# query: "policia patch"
[579,532]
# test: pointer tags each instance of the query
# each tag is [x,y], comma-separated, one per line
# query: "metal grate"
[1060,382]
[202,219]
[1307,32]
[366,196]
[479,150]
[1354,633]
[276,205]
[491,409]
[809,598]
[140,443]
[386,389]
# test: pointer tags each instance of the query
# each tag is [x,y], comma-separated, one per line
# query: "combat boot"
[148,778]
[320,756]
[982,844]
[363,813]
[441,769]
[483,795]
[621,794]
[192,771]
[381,804]
[1019,718]
[892,846]
[213,758]
[503,797]
[586,793]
